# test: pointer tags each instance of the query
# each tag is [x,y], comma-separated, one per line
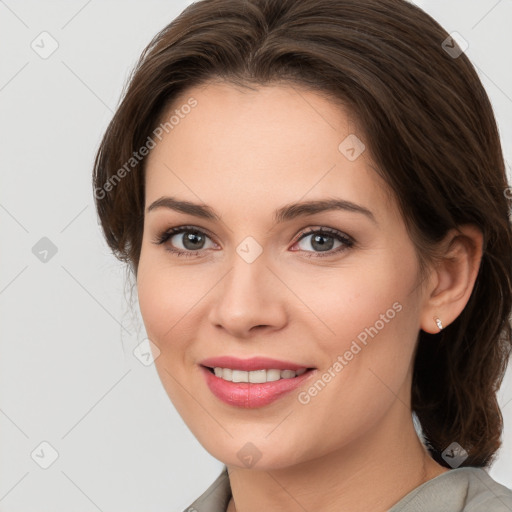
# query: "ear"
[453,277]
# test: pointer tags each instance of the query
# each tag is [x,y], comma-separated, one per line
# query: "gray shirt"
[466,489]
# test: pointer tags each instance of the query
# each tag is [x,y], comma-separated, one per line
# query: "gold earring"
[439,323]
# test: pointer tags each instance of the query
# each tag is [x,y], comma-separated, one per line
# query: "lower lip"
[249,395]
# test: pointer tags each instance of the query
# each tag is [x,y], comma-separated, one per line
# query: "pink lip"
[254,363]
[249,395]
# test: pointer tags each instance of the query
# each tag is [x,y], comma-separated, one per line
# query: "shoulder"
[467,489]
[215,498]
[485,494]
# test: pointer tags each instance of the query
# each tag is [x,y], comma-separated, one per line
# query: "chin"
[258,454]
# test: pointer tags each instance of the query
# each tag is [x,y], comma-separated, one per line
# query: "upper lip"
[253,363]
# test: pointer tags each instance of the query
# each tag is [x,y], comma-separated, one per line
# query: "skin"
[245,153]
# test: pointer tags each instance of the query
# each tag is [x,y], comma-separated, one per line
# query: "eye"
[324,240]
[184,240]
[191,241]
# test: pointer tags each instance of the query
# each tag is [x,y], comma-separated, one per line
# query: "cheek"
[373,317]
[161,297]
[166,303]
[171,299]
[361,300]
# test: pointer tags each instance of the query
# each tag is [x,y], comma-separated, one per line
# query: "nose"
[249,300]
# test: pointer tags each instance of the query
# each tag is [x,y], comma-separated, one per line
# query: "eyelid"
[184,227]
[323,229]
[163,236]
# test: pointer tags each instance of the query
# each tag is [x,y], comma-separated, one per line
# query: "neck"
[372,473]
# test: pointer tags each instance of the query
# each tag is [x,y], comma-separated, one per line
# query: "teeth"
[256,376]
[273,375]
[239,376]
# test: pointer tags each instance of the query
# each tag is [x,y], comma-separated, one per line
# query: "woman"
[312,197]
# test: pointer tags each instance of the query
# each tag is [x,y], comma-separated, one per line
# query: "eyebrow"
[283,214]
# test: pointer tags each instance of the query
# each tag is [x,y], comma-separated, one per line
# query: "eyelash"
[331,233]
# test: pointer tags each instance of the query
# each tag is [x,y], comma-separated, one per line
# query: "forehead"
[262,147]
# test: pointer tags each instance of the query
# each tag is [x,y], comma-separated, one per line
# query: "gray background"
[67,372]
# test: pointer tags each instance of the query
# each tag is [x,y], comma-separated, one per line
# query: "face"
[328,287]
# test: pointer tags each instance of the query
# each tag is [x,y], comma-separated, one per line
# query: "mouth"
[255,382]
[260,376]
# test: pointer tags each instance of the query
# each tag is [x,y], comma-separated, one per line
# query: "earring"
[439,323]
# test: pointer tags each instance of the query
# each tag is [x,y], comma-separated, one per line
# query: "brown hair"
[429,126]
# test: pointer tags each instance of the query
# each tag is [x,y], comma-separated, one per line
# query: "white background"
[67,372]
